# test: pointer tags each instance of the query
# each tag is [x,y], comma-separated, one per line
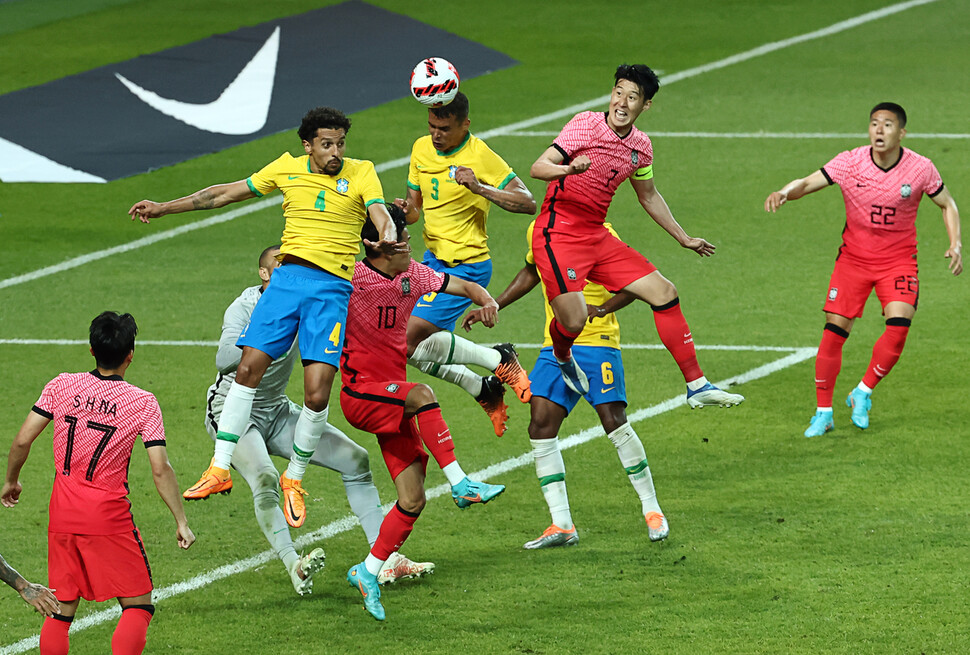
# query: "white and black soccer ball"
[434,82]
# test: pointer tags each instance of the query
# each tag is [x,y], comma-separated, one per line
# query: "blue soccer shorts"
[300,301]
[443,309]
[603,366]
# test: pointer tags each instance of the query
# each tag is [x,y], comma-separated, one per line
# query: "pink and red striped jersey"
[96,422]
[880,205]
[375,342]
[580,202]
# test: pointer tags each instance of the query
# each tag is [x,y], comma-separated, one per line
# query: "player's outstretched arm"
[168,488]
[33,425]
[389,245]
[795,190]
[549,166]
[515,197]
[656,207]
[524,281]
[617,302]
[488,314]
[951,219]
[212,197]
[38,596]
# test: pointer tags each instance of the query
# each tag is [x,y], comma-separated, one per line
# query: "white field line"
[757,135]
[276,199]
[524,346]
[348,522]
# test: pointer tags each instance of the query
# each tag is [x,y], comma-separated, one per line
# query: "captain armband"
[645,173]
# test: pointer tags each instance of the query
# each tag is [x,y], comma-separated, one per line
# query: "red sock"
[53,635]
[886,352]
[435,434]
[828,363]
[675,335]
[130,635]
[395,528]
[562,340]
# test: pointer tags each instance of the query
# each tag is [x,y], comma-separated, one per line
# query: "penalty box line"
[350,521]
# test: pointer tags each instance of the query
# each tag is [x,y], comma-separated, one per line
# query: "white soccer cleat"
[657,528]
[711,396]
[552,537]
[308,565]
[398,566]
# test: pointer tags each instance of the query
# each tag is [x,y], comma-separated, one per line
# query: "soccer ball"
[434,82]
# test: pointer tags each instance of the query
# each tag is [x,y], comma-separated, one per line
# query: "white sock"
[372,564]
[454,473]
[309,429]
[232,422]
[271,521]
[824,409]
[863,388]
[458,374]
[365,504]
[551,471]
[694,385]
[634,460]
[448,348]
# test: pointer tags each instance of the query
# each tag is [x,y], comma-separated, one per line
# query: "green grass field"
[856,542]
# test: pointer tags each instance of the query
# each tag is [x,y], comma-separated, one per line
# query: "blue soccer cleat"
[573,376]
[468,492]
[711,396]
[861,403]
[366,583]
[821,423]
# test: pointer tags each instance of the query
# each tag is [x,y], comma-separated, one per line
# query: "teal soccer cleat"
[366,583]
[861,403]
[468,492]
[573,376]
[821,423]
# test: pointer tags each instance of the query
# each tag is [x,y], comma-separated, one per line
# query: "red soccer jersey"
[375,343]
[880,205]
[579,202]
[96,422]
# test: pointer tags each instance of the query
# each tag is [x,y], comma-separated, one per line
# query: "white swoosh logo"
[243,106]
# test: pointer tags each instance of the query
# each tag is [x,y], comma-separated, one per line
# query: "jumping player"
[377,398]
[882,185]
[95,551]
[454,177]
[594,153]
[597,352]
[327,198]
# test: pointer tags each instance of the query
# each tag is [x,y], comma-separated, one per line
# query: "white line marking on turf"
[277,199]
[757,135]
[347,523]
[524,346]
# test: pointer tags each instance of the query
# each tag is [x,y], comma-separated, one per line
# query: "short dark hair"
[112,337]
[458,108]
[641,75]
[325,118]
[369,230]
[894,108]
[263,254]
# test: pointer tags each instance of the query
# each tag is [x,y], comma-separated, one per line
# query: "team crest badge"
[833,293]
[451,172]
[406,286]
[342,185]
[392,388]
[634,158]
[905,191]
[571,274]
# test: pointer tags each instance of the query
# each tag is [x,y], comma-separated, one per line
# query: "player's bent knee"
[421,395]
[413,504]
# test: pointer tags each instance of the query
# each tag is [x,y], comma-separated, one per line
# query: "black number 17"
[107,430]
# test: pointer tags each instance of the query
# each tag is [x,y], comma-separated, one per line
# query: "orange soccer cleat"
[214,481]
[511,372]
[492,401]
[294,507]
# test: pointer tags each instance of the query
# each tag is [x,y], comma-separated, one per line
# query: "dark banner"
[164,108]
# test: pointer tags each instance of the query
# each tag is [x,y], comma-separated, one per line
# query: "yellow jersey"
[324,213]
[454,217]
[602,331]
